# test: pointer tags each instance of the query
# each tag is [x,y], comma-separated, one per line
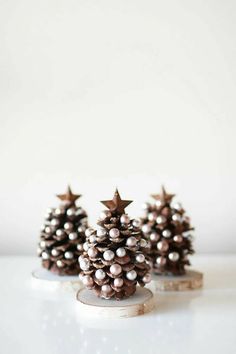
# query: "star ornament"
[68,196]
[164,197]
[116,204]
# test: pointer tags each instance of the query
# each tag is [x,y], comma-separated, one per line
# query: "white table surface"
[33,321]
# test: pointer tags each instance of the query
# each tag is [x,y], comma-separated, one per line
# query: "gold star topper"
[116,204]
[69,196]
[164,197]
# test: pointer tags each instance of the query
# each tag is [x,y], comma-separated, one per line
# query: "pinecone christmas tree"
[62,236]
[114,261]
[167,228]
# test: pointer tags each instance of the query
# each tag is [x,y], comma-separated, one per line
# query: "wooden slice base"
[92,306]
[43,279]
[190,281]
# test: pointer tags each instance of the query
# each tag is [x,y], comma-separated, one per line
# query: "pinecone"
[167,228]
[113,262]
[63,235]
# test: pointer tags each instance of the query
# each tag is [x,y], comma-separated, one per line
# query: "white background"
[117,93]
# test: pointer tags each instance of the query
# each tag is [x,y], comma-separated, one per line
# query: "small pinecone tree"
[62,236]
[114,262]
[167,228]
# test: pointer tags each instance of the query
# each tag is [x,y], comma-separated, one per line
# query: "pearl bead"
[161,261]
[70,212]
[177,206]
[80,247]
[147,278]
[68,255]
[114,233]
[89,232]
[166,233]
[178,238]
[115,269]
[81,228]
[73,236]
[154,236]
[59,263]
[60,233]
[143,243]
[55,222]
[100,274]
[121,252]
[146,228]
[124,219]
[136,223]
[140,258]
[49,210]
[45,255]
[145,206]
[42,244]
[55,252]
[84,264]
[68,226]
[158,203]
[108,255]
[59,211]
[176,217]
[118,282]
[106,288]
[131,275]
[173,256]
[152,216]
[160,219]
[92,239]
[101,232]
[92,252]
[39,251]
[162,246]
[131,241]
[86,246]
[87,280]
[81,257]
[105,214]
[47,230]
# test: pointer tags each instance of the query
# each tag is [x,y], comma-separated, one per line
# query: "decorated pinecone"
[62,236]
[114,262]
[167,228]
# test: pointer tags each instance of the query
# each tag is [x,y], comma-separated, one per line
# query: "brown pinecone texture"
[62,237]
[114,261]
[168,230]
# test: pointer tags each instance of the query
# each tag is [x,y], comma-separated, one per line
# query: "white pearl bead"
[136,223]
[154,236]
[55,222]
[80,247]
[108,255]
[55,252]
[106,288]
[118,282]
[143,243]
[45,255]
[100,274]
[68,226]
[70,212]
[162,246]
[68,255]
[121,252]
[160,219]
[145,206]
[124,219]
[173,256]
[59,211]
[73,236]
[92,239]
[60,233]
[178,238]
[140,258]
[114,233]
[176,217]
[166,233]
[87,280]
[89,232]
[177,206]
[146,228]
[131,275]
[81,228]
[59,263]
[105,214]
[92,252]
[84,264]
[158,203]
[39,251]
[42,244]
[152,216]
[115,269]
[80,258]
[131,241]
[101,232]
[49,210]
[147,278]
[48,229]
[86,246]
[161,261]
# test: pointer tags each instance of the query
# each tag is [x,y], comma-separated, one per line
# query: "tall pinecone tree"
[114,261]
[167,228]
[62,236]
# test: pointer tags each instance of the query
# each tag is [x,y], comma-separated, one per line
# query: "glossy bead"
[143,243]
[68,226]
[160,219]
[45,255]
[86,246]
[89,232]
[178,238]
[121,252]
[145,206]
[100,274]
[114,233]
[176,217]
[131,241]
[118,282]
[115,269]
[92,252]
[55,222]
[177,206]
[106,288]
[108,255]
[73,236]
[81,228]
[158,203]
[166,233]
[147,278]
[70,211]
[152,216]
[84,264]
[173,256]
[80,247]
[59,211]
[146,228]
[162,246]
[154,236]
[42,244]
[59,263]
[101,232]
[54,252]
[48,230]
[131,275]
[60,233]
[92,239]
[140,258]
[124,219]
[136,222]
[68,255]
[87,280]
[161,261]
